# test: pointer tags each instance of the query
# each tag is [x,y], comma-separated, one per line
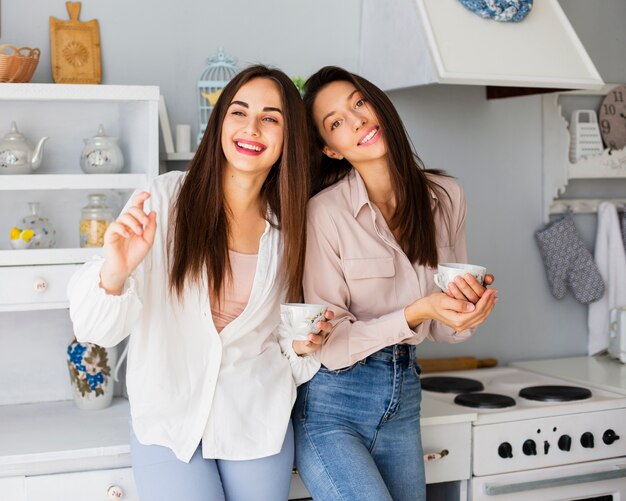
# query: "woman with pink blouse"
[377,228]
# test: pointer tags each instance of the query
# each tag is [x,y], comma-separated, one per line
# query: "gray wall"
[493,147]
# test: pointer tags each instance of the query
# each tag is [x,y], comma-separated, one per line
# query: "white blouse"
[186,382]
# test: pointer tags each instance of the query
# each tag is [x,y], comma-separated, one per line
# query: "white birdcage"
[219,71]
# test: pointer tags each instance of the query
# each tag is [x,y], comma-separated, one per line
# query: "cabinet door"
[98,485]
[13,488]
[456,440]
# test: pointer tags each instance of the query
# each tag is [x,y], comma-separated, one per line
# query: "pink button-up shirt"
[355,266]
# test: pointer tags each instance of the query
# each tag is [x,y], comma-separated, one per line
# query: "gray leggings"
[161,476]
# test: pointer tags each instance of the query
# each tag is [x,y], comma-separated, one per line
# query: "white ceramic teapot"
[101,154]
[17,154]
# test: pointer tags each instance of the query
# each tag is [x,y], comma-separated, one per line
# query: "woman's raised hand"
[126,242]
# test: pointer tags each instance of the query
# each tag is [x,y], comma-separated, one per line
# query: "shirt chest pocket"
[369,267]
[369,280]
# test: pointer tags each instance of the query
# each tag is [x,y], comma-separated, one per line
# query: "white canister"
[183,138]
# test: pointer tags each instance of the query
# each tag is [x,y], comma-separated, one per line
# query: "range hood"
[405,43]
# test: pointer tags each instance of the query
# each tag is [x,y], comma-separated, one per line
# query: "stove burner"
[555,393]
[484,400]
[447,384]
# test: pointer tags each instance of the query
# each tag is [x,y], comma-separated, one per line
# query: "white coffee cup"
[301,318]
[447,272]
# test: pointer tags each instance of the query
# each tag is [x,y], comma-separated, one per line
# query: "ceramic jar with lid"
[95,219]
[33,231]
[101,154]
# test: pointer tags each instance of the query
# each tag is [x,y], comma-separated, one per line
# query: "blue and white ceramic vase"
[91,369]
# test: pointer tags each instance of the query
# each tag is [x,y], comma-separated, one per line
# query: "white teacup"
[301,318]
[447,272]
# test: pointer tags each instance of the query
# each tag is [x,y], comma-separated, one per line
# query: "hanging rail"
[584,205]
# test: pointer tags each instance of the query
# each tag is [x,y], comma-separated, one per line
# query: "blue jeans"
[358,431]
[161,476]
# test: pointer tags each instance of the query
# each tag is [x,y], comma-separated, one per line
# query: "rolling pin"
[455,363]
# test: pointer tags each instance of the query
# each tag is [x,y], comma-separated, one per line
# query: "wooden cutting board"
[75,48]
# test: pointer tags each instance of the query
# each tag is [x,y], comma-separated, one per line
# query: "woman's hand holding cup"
[308,324]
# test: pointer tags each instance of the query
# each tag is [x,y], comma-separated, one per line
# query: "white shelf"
[73,182]
[44,438]
[72,92]
[36,257]
[177,157]
[557,168]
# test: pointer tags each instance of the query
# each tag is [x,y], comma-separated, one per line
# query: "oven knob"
[505,450]
[586,440]
[609,437]
[529,448]
[565,442]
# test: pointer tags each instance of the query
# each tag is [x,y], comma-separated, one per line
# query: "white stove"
[521,445]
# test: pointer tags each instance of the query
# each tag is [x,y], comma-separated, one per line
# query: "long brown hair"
[200,230]
[413,220]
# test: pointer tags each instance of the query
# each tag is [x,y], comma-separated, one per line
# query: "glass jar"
[33,231]
[95,219]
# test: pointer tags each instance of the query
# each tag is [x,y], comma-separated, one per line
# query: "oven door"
[593,481]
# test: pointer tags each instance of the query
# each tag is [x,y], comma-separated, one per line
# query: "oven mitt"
[567,261]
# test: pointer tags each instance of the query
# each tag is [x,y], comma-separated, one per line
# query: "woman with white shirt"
[195,269]
[377,229]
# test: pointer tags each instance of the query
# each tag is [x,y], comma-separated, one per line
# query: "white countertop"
[600,371]
[54,437]
[436,412]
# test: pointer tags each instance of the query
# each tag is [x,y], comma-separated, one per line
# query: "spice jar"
[95,218]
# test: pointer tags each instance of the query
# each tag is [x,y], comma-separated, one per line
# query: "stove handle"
[498,489]
[435,456]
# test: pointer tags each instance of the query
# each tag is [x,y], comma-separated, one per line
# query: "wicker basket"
[17,65]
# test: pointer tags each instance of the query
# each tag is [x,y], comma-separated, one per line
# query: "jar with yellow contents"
[95,219]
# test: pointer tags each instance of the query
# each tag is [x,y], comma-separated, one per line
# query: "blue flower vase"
[91,369]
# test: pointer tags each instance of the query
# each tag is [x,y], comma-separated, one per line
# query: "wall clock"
[613,118]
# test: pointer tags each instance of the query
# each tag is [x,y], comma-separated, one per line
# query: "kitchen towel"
[567,261]
[611,260]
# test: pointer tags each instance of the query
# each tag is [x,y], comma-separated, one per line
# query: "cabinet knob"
[436,456]
[40,285]
[115,492]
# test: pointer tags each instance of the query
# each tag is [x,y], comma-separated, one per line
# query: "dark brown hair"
[413,220]
[200,220]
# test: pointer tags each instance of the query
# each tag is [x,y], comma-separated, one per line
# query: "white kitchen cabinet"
[67,114]
[13,489]
[53,450]
[557,167]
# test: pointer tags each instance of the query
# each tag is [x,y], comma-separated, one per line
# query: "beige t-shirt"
[236,291]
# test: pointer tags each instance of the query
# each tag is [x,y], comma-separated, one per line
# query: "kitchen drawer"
[13,489]
[456,439]
[83,486]
[35,287]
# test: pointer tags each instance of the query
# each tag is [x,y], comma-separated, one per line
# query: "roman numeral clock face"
[613,118]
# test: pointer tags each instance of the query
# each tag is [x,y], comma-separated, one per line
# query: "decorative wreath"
[500,10]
